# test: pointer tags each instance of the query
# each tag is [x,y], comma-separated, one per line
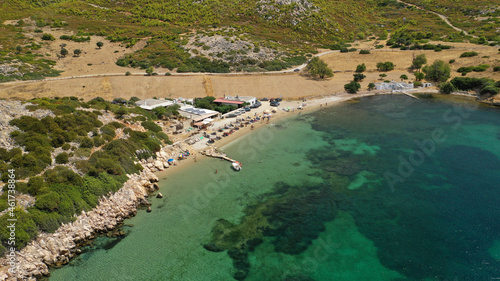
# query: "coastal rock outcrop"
[55,249]
[58,248]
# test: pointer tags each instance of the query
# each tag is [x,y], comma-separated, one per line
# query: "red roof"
[228,101]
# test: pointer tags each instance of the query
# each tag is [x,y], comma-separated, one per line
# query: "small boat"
[236,165]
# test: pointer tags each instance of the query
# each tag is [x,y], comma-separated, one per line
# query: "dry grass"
[285,85]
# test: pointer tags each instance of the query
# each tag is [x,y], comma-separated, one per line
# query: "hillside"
[221,36]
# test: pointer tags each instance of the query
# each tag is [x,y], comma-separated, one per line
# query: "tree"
[77,52]
[418,62]
[358,77]
[120,112]
[352,87]
[86,142]
[360,68]
[447,88]
[62,158]
[133,100]
[403,77]
[382,76]
[385,66]
[318,67]
[64,52]
[160,112]
[48,37]
[419,76]
[150,70]
[99,44]
[19,49]
[371,86]
[439,71]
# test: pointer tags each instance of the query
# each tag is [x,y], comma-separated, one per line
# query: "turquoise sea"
[384,188]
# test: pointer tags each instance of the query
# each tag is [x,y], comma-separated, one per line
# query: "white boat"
[236,165]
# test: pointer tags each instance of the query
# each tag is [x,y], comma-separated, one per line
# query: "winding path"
[292,70]
[444,18]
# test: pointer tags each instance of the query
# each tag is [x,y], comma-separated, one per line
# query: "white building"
[395,86]
[197,114]
[149,104]
[237,100]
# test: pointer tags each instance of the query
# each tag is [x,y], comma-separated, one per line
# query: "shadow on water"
[104,242]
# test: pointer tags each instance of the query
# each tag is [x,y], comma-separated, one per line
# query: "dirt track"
[287,85]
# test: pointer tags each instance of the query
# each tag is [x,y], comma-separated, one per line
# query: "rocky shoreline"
[55,249]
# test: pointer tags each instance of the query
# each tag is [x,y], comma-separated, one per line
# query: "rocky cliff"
[58,248]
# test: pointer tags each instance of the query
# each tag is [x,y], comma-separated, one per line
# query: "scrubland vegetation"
[71,160]
[288,32]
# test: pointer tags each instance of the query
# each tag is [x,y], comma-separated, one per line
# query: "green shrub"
[358,77]
[48,37]
[360,68]
[352,87]
[468,54]
[385,66]
[447,88]
[86,142]
[25,228]
[62,158]
[83,152]
[98,141]
[151,126]
[364,52]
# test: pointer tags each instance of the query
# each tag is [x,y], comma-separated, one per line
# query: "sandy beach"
[310,105]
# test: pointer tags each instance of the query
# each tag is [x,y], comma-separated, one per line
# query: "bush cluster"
[60,193]
[479,68]
[468,54]
[480,85]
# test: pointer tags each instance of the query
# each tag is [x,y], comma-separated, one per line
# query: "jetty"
[212,152]
[411,96]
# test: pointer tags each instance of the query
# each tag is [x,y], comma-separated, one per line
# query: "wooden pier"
[216,154]
[411,96]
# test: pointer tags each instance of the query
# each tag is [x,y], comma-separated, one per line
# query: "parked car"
[275,103]
[256,105]
[296,70]
[231,115]
[247,108]
[278,99]
[264,99]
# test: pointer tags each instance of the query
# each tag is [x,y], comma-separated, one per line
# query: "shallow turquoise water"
[387,188]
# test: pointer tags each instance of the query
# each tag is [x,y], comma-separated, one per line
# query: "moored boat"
[236,165]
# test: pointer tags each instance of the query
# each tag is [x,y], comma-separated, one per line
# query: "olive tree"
[438,71]
[418,62]
[318,67]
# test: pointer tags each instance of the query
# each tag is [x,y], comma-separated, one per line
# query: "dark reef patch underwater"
[437,223]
